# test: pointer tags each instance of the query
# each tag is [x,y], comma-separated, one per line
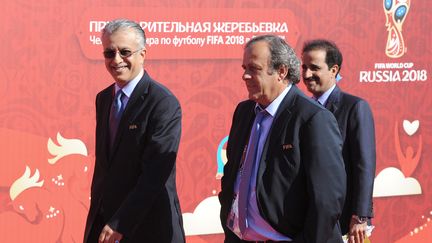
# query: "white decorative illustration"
[411,127]
[205,218]
[391,182]
[25,182]
[52,212]
[58,180]
[67,147]
[43,205]
[420,233]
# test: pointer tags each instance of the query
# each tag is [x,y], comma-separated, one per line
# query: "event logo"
[395,12]
[395,71]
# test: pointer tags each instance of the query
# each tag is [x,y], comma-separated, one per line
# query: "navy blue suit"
[133,188]
[356,125]
[301,178]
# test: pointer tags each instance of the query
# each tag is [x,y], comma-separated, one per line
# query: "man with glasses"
[138,126]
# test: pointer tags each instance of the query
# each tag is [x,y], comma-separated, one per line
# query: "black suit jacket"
[358,134]
[133,187]
[301,177]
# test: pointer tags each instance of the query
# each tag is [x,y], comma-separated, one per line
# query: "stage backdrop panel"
[52,68]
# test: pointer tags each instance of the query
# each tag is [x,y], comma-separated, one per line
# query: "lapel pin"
[287,146]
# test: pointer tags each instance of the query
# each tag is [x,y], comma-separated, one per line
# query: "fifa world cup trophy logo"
[395,12]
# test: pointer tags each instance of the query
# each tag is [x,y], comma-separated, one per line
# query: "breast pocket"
[288,159]
[280,165]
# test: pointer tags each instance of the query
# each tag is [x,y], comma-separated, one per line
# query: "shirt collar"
[324,97]
[272,108]
[130,86]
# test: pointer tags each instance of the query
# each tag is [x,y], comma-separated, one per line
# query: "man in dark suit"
[138,126]
[294,175]
[322,62]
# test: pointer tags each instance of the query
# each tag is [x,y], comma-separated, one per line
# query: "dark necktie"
[117,108]
[316,99]
[246,173]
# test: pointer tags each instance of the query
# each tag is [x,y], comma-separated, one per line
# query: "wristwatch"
[360,219]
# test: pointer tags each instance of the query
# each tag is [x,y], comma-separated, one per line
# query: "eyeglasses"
[124,53]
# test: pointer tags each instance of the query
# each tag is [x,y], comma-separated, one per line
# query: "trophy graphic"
[395,12]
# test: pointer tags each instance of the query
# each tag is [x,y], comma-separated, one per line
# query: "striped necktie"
[117,108]
[246,173]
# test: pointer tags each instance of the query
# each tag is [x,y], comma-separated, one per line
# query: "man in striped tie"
[138,125]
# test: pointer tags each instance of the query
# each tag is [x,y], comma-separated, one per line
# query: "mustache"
[309,79]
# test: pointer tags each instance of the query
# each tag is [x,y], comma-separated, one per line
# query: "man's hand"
[109,236]
[357,232]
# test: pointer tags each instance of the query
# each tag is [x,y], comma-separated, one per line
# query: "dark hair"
[281,54]
[333,54]
[121,24]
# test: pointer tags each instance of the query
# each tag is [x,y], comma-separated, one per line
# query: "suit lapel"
[333,100]
[106,101]
[283,115]
[139,93]
[246,120]
[286,103]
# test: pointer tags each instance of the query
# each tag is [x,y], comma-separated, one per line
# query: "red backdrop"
[51,68]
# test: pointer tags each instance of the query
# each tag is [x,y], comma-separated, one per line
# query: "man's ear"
[335,69]
[282,71]
[143,52]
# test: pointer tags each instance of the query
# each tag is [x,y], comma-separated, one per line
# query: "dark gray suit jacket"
[301,177]
[358,134]
[133,188]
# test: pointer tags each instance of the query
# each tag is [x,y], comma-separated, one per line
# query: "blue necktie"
[246,171]
[117,108]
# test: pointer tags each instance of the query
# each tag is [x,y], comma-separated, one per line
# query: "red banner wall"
[52,67]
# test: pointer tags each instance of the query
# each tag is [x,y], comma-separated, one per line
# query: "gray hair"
[122,24]
[280,54]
